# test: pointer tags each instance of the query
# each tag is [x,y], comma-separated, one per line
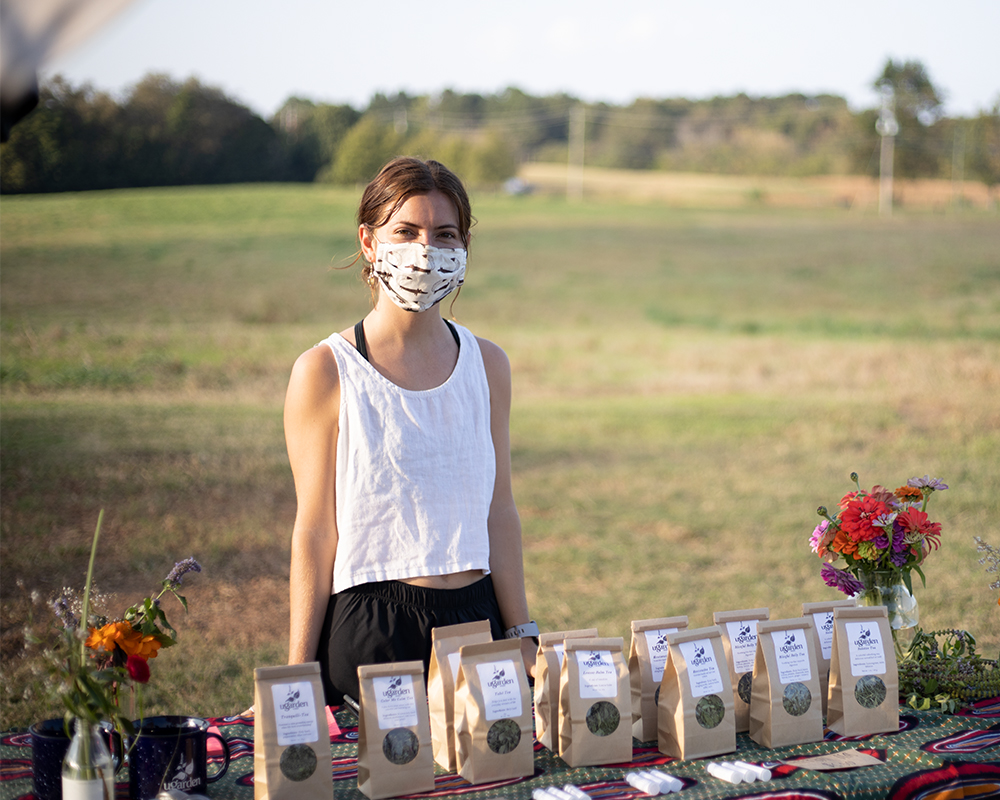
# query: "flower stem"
[86,590]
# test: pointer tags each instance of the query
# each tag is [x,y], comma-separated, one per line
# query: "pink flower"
[138,669]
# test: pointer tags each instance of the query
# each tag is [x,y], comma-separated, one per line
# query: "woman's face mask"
[416,276]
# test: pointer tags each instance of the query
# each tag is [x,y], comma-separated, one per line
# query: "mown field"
[690,384]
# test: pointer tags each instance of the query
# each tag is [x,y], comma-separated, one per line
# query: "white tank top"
[415,471]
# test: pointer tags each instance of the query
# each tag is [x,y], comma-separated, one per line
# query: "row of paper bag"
[691,690]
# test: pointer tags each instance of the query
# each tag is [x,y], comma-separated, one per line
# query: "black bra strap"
[361,343]
[359,339]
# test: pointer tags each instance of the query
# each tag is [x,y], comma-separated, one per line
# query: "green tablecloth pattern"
[932,756]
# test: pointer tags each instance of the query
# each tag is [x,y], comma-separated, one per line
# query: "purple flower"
[927,482]
[60,607]
[899,559]
[181,568]
[881,542]
[841,579]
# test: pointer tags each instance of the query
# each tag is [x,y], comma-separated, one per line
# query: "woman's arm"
[312,406]
[506,561]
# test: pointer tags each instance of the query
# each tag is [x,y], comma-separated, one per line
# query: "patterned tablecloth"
[931,756]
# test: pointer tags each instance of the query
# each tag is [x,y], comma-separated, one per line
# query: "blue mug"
[171,752]
[49,743]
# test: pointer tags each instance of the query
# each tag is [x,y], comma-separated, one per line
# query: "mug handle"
[225,761]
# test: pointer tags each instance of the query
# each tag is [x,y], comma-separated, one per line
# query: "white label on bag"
[560,650]
[823,620]
[501,692]
[659,649]
[395,701]
[864,643]
[792,655]
[598,676]
[294,713]
[743,640]
[455,659]
[702,668]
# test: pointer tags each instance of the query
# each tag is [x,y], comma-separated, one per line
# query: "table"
[932,755]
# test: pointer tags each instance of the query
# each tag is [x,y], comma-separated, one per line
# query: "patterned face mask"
[416,276]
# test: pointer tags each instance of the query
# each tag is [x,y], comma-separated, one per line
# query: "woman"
[398,438]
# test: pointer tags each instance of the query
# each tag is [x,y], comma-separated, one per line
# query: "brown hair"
[399,180]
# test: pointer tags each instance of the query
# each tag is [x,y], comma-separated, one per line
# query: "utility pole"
[577,140]
[887,127]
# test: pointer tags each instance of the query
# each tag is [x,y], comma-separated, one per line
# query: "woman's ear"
[368,243]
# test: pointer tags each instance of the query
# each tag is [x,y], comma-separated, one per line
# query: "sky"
[338,52]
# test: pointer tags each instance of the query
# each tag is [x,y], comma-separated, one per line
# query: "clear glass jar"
[88,772]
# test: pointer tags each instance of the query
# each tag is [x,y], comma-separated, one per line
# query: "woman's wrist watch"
[527,630]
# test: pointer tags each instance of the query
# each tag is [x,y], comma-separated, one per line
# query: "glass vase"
[886,588]
[88,772]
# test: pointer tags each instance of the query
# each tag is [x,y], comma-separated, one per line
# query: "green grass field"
[690,384]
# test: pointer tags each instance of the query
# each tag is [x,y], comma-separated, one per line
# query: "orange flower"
[909,494]
[843,544]
[110,636]
[135,644]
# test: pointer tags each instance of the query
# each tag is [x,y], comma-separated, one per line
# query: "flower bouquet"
[92,659]
[882,536]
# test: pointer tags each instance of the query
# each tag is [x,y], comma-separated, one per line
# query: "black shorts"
[388,621]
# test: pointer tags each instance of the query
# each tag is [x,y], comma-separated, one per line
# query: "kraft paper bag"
[394,731]
[864,682]
[785,705]
[595,706]
[547,667]
[739,638]
[493,717]
[442,678]
[291,758]
[647,655]
[822,617]
[696,716]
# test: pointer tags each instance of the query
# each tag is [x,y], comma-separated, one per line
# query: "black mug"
[171,753]
[49,743]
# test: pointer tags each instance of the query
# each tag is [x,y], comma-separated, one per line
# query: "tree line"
[168,133]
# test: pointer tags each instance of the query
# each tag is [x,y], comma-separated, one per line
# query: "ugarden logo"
[790,645]
[661,643]
[866,639]
[184,777]
[699,656]
[745,635]
[499,679]
[395,689]
[596,659]
[292,702]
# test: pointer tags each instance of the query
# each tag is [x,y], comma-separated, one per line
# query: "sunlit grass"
[689,385]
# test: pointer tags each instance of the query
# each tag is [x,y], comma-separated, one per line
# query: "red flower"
[917,527]
[138,669]
[856,519]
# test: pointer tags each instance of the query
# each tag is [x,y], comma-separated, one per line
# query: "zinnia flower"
[821,538]
[841,579]
[137,644]
[110,636]
[909,494]
[858,519]
[927,482]
[138,669]
[918,528]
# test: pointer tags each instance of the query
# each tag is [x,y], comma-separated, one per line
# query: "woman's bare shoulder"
[314,376]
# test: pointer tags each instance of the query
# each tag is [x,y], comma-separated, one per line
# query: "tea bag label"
[864,643]
[702,668]
[792,655]
[659,649]
[395,702]
[743,638]
[823,620]
[294,713]
[501,691]
[455,660]
[598,677]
